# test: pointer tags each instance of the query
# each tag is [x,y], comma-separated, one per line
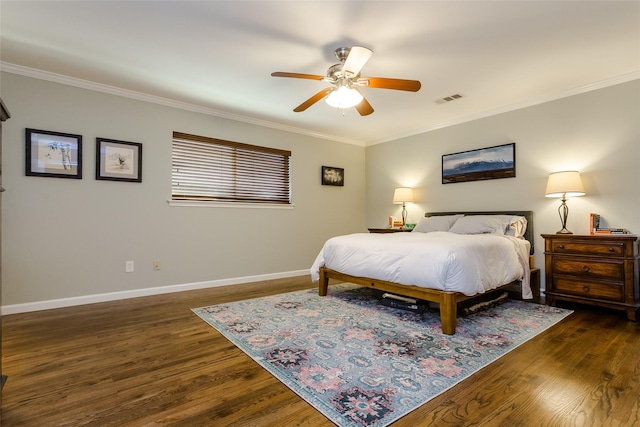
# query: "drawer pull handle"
[611,249]
[585,288]
[560,246]
[586,268]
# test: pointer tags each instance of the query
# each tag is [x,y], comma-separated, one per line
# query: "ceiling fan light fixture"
[344,97]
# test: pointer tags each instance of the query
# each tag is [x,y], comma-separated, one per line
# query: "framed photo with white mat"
[118,160]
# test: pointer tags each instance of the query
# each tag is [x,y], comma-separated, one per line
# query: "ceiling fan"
[345,81]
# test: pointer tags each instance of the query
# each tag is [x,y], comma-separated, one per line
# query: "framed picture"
[118,160]
[332,176]
[476,165]
[53,154]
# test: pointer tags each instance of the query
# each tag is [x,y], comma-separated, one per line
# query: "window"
[209,169]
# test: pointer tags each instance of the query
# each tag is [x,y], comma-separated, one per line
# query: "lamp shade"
[403,195]
[344,97]
[565,183]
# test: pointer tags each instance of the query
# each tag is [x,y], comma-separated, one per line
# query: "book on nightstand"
[594,227]
[612,231]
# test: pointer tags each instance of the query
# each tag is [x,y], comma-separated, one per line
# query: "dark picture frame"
[53,154]
[476,165]
[332,176]
[118,160]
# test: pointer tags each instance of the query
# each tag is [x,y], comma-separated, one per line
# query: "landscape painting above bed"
[481,164]
[448,258]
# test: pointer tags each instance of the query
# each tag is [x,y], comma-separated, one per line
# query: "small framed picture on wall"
[53,154]
[332,176]
[118,160]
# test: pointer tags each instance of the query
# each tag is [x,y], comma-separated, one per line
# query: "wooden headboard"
[528,234]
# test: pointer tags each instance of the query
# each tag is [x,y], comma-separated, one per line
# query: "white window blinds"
[210,169]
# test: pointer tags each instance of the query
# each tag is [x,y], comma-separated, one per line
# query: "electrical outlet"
[156,264]
[128,267]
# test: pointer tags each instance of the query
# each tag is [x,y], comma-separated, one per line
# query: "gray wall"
[65,239]
[596,133]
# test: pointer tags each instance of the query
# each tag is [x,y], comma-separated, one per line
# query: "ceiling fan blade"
[297,75]
[358,56]
[364,108]
[384,83]
[315,98]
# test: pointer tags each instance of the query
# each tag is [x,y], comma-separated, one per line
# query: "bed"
[448,258]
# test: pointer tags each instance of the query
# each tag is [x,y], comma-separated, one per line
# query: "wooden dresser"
[599,270]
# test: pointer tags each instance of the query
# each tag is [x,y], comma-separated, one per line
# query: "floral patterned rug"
[364,364]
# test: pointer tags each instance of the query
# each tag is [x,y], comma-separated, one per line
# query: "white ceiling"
[217,56]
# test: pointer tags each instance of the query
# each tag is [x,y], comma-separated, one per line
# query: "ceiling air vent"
[448,98]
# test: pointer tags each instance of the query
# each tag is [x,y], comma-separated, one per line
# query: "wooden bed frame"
[448,300]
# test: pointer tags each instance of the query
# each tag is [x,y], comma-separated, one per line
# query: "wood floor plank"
[151,362]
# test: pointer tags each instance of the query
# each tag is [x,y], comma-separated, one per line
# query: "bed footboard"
[448,300]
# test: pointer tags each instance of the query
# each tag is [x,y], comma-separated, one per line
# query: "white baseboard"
[113,296]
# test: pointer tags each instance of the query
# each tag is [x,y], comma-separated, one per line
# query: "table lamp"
[564,184]
[403,195]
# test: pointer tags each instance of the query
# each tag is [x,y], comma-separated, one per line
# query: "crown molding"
[112,90]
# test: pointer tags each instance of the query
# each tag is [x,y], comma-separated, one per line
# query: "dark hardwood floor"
[150,361]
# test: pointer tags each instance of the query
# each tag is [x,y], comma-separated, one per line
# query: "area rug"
[364,364]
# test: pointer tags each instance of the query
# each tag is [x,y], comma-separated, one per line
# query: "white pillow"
[481,224]
[517,227]
[436,223]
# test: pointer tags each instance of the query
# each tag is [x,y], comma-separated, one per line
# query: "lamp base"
[563,212]
[564,231]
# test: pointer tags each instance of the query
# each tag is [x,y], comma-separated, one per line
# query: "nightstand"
[388,230]
[600,270]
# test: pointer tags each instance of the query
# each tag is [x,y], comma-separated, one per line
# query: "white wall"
[66,238]
[596,133]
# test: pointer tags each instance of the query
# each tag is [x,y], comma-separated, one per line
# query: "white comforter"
[469,264]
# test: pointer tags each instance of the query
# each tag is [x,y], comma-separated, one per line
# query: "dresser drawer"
[589,268]
[586,289]
[610,249]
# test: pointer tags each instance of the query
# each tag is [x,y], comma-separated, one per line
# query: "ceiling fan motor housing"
[335,74]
